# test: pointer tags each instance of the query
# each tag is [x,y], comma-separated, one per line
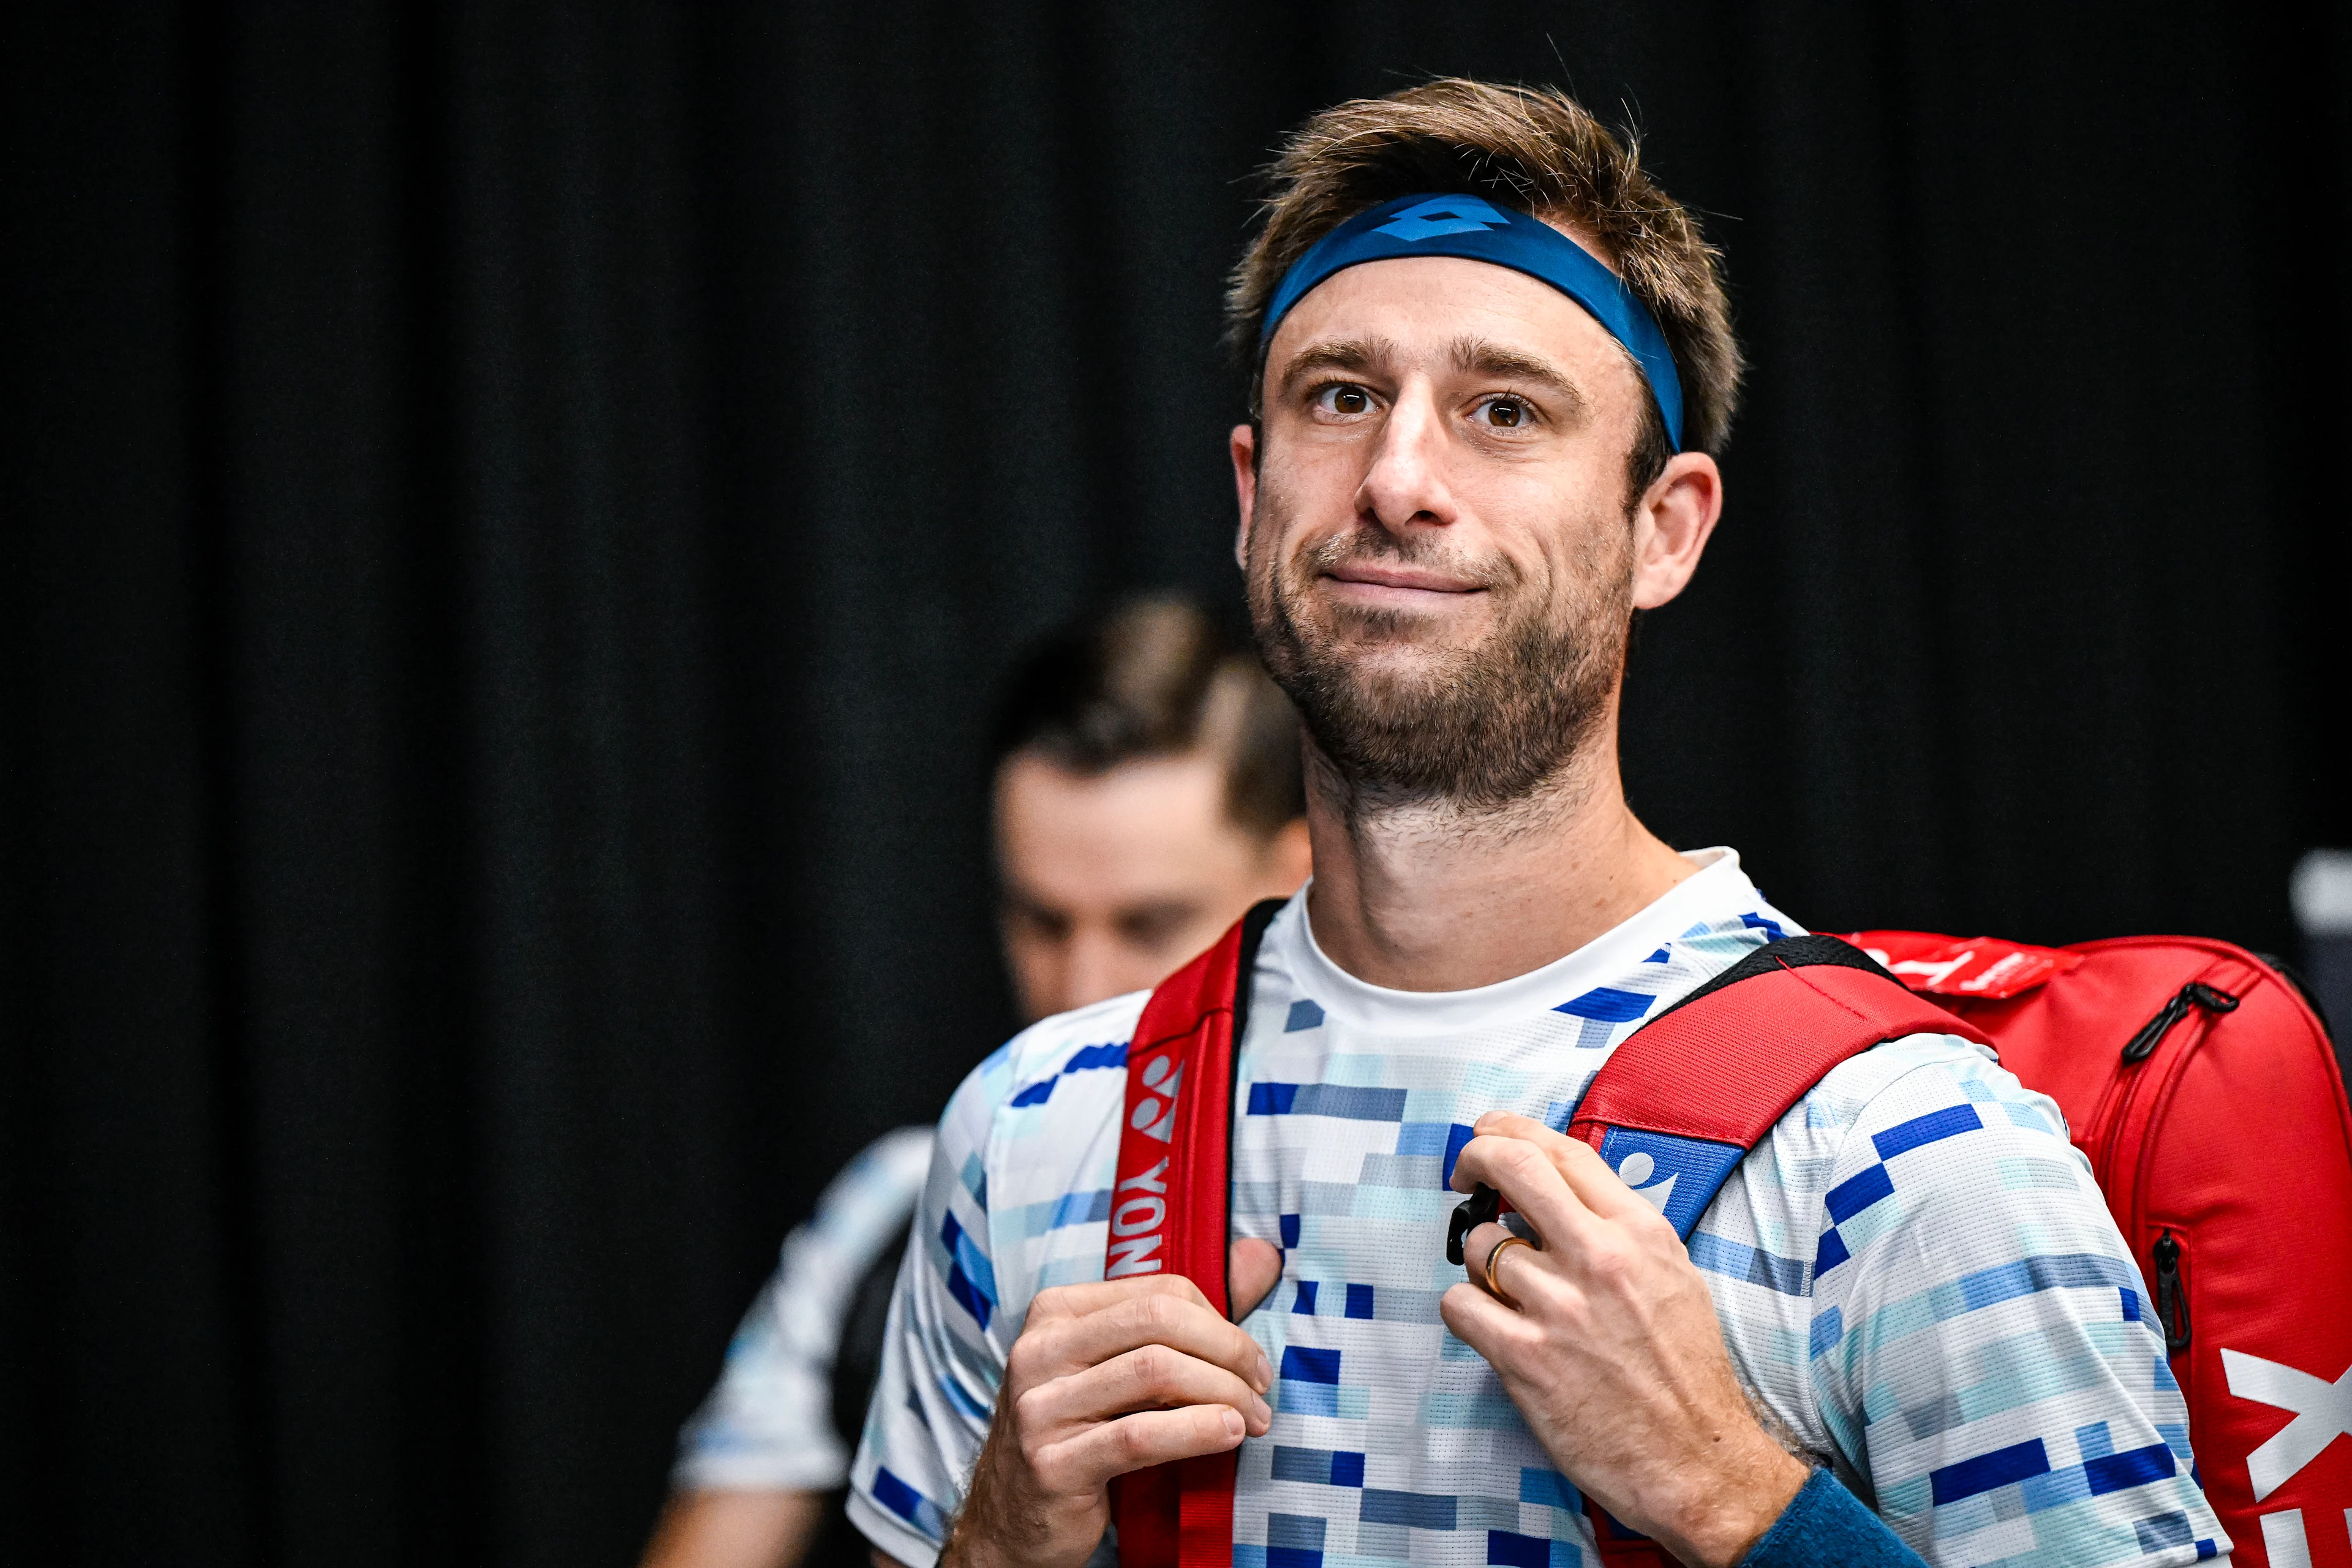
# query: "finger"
[1183,1323]
[1253,1268]
[1093,1456]
[1077,1300]
[1587,1176]
[1151,1378]
[1482,1323]
[1479,1262]
[1526,1278]
[1525,1174]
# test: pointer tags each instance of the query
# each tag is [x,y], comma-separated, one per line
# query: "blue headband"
[1467,226]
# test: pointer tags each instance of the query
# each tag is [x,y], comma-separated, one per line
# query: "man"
[1490,365]
[1147,792]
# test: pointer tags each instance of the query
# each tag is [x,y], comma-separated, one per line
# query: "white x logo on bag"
[2323,1413]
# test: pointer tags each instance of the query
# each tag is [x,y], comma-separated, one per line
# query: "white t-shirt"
[768,1424]
[1915,1272]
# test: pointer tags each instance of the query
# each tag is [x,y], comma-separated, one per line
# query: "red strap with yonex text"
[1168,1216]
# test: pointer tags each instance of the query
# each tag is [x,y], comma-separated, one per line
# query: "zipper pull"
[2171,1292]
[2196,993]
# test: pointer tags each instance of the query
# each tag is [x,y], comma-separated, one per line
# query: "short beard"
[1478,730]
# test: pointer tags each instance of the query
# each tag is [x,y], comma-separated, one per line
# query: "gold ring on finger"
[1496,1290]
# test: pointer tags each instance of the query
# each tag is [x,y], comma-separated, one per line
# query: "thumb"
[1253,1267]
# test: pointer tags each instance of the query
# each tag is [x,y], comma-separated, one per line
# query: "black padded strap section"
[1788,952]
[1261,915]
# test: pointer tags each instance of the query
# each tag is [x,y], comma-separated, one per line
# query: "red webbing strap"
[1167,1216]
[1728,1065]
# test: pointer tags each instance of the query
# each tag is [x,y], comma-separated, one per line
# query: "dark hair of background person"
[1156,678]
[516,518]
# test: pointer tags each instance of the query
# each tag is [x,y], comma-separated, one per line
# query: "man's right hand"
[1103,1379]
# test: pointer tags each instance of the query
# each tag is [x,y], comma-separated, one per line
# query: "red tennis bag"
[2204,1090]
[2199,1084]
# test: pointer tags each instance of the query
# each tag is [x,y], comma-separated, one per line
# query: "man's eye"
[1506,413]
[1346,401]
[1036,924]
[1156,925]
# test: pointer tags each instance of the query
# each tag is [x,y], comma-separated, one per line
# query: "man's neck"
[1428,897]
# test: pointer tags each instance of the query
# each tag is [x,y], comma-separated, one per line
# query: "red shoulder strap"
[1729,1060]
[1683,1100]
[1169,1215]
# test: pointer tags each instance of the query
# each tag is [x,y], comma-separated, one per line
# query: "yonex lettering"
[2323,1413]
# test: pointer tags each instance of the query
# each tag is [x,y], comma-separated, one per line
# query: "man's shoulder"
[1881,1095]
[1085,1040]
[1914,1116]
[1029,1118]
[1929,1130]
[1023,1070]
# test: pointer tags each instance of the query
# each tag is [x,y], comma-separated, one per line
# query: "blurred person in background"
[1146,785]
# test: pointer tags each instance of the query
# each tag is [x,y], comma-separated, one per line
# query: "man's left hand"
[1610,1347]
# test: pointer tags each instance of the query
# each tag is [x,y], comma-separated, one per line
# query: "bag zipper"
[2196,995]
[2171,1294]
[2170,1282]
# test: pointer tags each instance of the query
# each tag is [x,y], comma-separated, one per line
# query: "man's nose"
[1406,481]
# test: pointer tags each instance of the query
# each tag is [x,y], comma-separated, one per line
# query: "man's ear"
[1672,524]
[1244,450]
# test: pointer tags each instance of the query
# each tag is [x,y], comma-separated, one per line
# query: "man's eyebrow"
[1353,354]
[1476,356]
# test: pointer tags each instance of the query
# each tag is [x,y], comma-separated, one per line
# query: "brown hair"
[1155,678]
[1531,148]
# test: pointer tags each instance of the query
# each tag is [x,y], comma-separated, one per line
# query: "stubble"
[1477,728]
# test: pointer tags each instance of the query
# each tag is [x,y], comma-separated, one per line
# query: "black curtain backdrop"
[514,515]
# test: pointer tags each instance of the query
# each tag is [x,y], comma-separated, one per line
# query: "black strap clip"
[1482,1206]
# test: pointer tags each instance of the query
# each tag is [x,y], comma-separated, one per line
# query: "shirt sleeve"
[942,1364]
[1983,1350]
[768,1426]
[1824,1523]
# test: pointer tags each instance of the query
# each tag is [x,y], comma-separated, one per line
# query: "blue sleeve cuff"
[1825,1524]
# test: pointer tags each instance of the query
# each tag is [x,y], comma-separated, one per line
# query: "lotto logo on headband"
[1444,215]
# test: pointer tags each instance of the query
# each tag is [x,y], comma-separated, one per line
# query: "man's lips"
[1365,581]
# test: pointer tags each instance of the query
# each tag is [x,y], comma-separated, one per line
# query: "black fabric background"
[513,515]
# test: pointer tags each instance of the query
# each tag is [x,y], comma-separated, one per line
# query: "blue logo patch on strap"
[1679,1177]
